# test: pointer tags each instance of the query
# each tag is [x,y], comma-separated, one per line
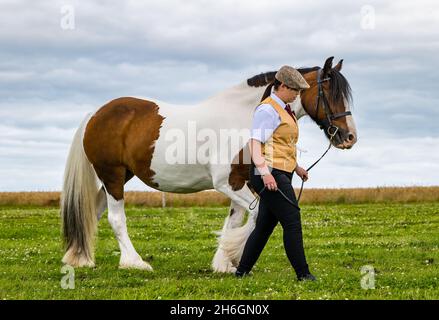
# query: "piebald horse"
[138,137]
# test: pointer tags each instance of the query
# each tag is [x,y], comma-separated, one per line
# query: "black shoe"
[240,274]
[306,277]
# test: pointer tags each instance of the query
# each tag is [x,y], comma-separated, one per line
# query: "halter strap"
[321,95]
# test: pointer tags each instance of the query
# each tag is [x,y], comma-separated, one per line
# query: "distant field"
[399,240]
[214,198]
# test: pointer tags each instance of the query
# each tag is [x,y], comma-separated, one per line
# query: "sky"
[62,59]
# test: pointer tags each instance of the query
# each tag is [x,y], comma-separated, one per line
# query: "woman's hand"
[269,182]
[302,173]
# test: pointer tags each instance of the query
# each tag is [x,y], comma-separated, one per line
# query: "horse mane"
[264,79]
[307,70]
[261,79]
[339,85]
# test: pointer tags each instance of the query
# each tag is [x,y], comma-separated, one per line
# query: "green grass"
[399,240]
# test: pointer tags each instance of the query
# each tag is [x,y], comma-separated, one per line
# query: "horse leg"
[233,236]
[101,203]
[101,199]
[129,258]
[221,263]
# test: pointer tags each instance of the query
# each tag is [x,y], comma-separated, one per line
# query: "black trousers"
[274,208]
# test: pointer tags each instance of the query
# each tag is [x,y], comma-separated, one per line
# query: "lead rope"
[301,188]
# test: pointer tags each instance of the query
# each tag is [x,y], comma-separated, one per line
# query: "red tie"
[288,109]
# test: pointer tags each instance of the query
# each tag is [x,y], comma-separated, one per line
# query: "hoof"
[77,261]
[224,269]
[222,264]
[135,264]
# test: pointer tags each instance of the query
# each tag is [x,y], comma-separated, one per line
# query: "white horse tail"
[78,204]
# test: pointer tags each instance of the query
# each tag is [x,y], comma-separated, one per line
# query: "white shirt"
[266,119]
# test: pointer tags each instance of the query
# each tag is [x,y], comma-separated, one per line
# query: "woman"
[273,151]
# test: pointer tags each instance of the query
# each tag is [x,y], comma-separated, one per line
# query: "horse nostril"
[351,137]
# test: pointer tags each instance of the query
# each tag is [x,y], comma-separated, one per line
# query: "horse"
[130,137]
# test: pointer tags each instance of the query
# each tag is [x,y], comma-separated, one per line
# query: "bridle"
[325,124]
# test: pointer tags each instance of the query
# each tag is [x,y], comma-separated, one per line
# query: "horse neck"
[246,97]
[299,104]
[241,95]
[297,107]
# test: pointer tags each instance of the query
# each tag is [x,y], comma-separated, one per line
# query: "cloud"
[375,160]
[50,77]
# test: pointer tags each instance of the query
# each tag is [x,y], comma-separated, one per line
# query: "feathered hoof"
[135,264]
[221,264]
[225,268]
[77,260]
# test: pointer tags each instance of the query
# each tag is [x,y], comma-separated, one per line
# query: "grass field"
[399,240]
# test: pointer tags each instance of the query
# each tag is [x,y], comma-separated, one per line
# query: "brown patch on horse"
[119,141]
[336,89]
[240,172]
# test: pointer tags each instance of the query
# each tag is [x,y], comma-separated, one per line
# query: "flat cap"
[291,78]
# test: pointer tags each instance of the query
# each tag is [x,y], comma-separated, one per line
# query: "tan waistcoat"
[280,149]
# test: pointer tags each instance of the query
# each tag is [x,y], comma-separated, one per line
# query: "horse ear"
[339,65]
[327,67]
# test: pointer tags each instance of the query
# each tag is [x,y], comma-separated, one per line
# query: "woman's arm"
[301,172]
[259,161]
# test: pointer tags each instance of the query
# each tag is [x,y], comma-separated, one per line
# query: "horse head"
[327,102]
